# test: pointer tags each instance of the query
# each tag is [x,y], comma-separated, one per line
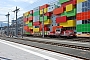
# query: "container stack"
[64,15]
[36,20]
[83,18]
[44,17]
[28,19]
[67,14]
[53,17]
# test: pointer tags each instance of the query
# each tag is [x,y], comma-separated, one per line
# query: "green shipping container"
[30,15]
[45,18]
[62,1]
[70,13]
[41,19]
[63,14]
[83,28]
[27,32]
[36,13]
[30,24]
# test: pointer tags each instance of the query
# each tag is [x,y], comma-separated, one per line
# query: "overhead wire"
[28,9]
[36,5]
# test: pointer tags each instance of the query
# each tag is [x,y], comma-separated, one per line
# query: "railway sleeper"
[53,43]
[86,48]
[66,45]
[79,47]
[72,46]
[47,42]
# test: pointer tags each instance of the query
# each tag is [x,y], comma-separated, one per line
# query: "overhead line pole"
[16,10]
[8,23]
[43,25]
[1,29]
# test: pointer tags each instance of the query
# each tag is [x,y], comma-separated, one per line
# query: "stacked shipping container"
[28,22]
[69,14]
[36,20]
[83,18]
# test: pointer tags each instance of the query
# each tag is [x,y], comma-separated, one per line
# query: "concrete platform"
[14,51]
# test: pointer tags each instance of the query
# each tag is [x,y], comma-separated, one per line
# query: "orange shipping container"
[58,10]
[55,27]
[44,6]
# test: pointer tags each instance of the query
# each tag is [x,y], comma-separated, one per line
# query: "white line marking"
[29,51]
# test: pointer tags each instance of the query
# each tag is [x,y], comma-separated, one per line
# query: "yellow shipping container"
[31,27]
[69,23]
[27,22]
[26,14]
[45,10]
[79,1]
[69,7]
[41,11]
[47,22]
[36,30]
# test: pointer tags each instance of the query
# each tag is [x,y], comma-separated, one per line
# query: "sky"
[24,5]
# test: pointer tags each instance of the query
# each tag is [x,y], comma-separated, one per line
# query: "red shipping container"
[42,25]
[44,6]
[26,28]
[30,18]
[61,19]
[55,27]
[79,18]
[25,19]
[48,14]
[58,10]
[36,23]
[78,15]
[83,15]
[45,29]
[70,2]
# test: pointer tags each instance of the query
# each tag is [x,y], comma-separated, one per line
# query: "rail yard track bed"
[71,44]
[68,39]
[55,48]
[68,42]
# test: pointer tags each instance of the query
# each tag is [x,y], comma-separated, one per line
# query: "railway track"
[70,39]
[80,48]
[61,44]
